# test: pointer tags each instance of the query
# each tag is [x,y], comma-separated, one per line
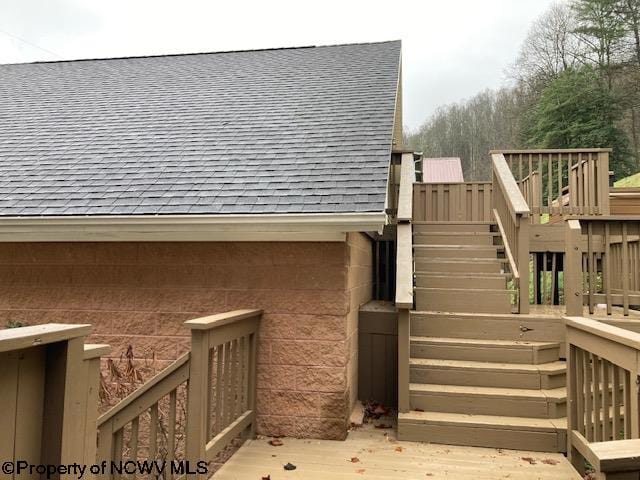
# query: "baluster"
[607,267]
[580,389]
[588,391]
[591,267]
[117,448]
[597,404]
[606,399]
[153,432]
[219,388]
[171,430]
[625,270]
[226,409]
[626,377]
[617,403]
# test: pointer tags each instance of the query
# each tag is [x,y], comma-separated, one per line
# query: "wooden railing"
[196,406]
[404,275]
[602,263]
[446,202]
[511,213]
[569,182]
[603,376]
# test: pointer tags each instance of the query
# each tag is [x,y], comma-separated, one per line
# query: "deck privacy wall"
[139,294]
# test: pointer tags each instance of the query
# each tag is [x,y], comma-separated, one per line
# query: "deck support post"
[573,268]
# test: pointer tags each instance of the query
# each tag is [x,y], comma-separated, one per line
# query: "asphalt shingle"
[298,130]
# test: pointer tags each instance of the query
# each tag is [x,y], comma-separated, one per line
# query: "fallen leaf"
[354,460]
[550,461]
[360,471]
[268,477]
[529,459]
[276,442]
[289,466]
[429,474]
[383,425]
[398,449]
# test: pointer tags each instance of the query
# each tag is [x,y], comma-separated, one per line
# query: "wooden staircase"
[478,376]
[459,268]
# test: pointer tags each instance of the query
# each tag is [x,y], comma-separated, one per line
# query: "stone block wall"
[139,294]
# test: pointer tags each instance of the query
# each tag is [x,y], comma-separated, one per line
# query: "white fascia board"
[267,227]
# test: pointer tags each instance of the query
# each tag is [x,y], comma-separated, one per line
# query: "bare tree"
[550,47]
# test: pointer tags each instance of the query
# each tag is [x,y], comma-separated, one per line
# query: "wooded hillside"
[575,83]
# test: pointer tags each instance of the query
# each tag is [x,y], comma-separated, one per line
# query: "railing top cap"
[554,150]
[26,337]
[615,334]
[220,319]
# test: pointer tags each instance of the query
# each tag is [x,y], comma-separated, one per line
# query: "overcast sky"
[451,49]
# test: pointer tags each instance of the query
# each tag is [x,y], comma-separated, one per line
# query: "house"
[442,170]
[137,193]
[230,215]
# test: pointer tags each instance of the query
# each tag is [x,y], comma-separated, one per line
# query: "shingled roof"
[300,130]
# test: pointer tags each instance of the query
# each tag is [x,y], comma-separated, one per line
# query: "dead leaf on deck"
[360,471]
[429,474]
[550,461]
[354,460]
[398,449]
[268,477]
[289,466]
[276,442]
[529,460]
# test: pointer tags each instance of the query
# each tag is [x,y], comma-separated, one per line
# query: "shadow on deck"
[375,453]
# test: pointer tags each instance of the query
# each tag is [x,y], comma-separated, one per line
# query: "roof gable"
[305,130]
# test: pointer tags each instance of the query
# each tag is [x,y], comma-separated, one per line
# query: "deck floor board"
[381,457]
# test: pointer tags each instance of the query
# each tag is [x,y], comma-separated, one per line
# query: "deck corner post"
[403,360]
[197,395]
[523,264]
[573,268]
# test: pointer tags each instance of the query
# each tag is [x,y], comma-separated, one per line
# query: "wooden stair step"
[461,252]
[488,374]
[467,265]
[481,350]
[464,281]
[532,434]
[463,300]
[460,238]
[489,326]
[512,402]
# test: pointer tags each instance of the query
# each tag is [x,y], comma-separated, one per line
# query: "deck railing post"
[573,268]
[403,360]
[603,179]
[523,263]
[197,398]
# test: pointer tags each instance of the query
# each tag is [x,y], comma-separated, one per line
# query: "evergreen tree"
[578,111]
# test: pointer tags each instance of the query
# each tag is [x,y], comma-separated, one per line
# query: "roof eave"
[246,227]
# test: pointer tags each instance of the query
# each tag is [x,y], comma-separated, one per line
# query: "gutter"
[263,227]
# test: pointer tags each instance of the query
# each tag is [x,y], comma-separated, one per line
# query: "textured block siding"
[139,294]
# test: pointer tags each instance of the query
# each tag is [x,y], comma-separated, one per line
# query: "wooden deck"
[376,454]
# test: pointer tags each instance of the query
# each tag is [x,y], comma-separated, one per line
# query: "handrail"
[404,248]
[404,275]
[511,213]
[603,376]
[601,264]
[197,405]
[517,203]
[507,248]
